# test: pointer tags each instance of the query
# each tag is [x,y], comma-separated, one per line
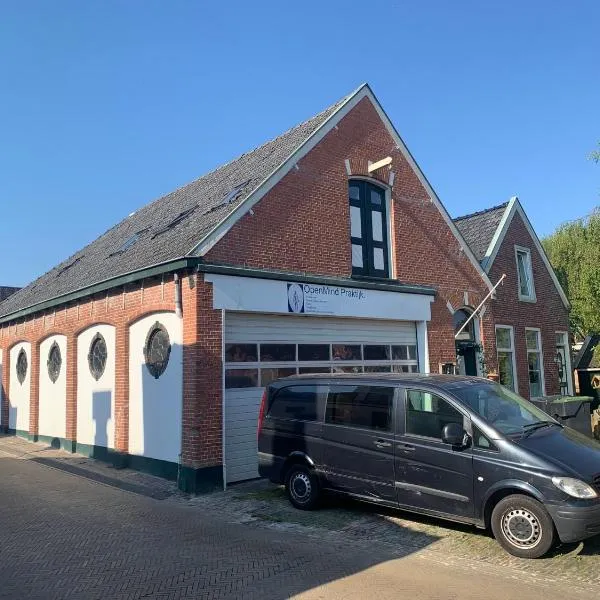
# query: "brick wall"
[303,224]
[121,307]
[548,313]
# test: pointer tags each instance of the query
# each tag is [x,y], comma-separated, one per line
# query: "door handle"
[406,447]
[382,444]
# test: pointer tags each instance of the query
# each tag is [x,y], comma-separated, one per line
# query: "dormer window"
[368,229]
[525,274]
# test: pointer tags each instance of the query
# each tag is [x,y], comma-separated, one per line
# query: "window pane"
[377,225]
[269,375]
[277,352]
[360,406]
[534,361]
[346,352]
[412,352]
[523,266]
[357,256]
[313,351]
[307,370]
[414,369]
[373,352]
[505,367]
[355,224]
[428,414]
[342,369]
[241,378]
[295,402]
[400,352]
[503,338]
[378,263]
[240,353]
[531,338]
[560,339]
[377,368]
[354,192]
[376,197]
[401,369]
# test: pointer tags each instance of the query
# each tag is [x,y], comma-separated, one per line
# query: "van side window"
[427,414]
[297,402]
[369,407]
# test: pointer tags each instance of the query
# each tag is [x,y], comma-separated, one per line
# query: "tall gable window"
[368,229]
[525,274]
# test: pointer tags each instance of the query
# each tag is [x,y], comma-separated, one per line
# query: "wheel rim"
[300,487]
[521,528]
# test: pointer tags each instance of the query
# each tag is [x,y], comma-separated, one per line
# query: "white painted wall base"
[19,393]
[53,396]
[155,405]
[96,399]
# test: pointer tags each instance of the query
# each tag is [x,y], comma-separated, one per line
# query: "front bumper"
[576,522]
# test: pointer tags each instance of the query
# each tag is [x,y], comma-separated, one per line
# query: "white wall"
[18,408]
[53,396]
[155,405]
[96,399]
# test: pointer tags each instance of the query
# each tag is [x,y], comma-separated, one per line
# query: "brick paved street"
[63,535]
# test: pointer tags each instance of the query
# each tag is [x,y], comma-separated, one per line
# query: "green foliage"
[574,251]
[595,155]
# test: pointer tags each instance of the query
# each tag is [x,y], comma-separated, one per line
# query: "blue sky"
[105,106]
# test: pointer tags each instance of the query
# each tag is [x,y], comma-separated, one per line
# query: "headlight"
[574,487]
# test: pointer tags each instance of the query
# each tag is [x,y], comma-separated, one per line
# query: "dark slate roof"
[588,356]
[101,260]
[6,291]
[479,228]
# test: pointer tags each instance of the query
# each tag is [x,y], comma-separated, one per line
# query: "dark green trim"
[107,284]
[55,442]
[110,455]
[153,466]
[22,434]
[387,285]
[200,481]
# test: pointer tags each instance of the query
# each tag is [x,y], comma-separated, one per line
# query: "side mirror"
[454,434]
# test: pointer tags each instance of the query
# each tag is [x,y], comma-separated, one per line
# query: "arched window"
[468,333]
[368,229]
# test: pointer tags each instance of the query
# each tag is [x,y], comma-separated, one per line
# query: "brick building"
[324,249]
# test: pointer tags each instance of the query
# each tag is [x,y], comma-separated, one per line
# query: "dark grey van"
[459,448]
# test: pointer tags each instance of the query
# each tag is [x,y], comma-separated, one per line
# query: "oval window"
[157,350]
[54,362]
[97,356]
[21,366]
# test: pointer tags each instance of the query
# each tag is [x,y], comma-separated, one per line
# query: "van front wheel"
[522,526]
[302,487]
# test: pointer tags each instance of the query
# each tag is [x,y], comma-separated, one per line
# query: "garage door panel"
[242,404]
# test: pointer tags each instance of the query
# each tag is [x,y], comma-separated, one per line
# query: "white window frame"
[568,360]
[540,351]
[512,352]
[531,297]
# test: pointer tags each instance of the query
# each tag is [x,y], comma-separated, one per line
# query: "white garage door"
[260,348]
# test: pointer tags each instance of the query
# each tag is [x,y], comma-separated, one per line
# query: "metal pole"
[480,305]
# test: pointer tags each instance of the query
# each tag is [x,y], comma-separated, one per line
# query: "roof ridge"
[481,212]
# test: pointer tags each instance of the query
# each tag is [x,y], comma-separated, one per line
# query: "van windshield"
[502,408]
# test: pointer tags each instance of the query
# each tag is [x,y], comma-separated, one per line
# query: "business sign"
[274,296]
[309,298]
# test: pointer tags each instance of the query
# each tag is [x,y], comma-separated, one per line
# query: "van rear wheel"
[302,487]
[523,527]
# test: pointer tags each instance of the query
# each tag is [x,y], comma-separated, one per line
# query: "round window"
[22,366]
[157,350]
[97,356]
[54,362]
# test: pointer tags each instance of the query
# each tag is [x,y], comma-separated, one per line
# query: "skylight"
[178,219]
[67,267]
[130,241]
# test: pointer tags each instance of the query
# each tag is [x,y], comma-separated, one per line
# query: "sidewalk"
[95,470]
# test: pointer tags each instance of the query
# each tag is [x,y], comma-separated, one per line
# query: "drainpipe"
[178,309]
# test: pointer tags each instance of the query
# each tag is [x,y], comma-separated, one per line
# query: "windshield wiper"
[538,425]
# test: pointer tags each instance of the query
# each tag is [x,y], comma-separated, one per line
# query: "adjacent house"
[325,249]
[530,311]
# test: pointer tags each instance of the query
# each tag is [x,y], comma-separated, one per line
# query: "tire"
[523,527]
[302,487]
